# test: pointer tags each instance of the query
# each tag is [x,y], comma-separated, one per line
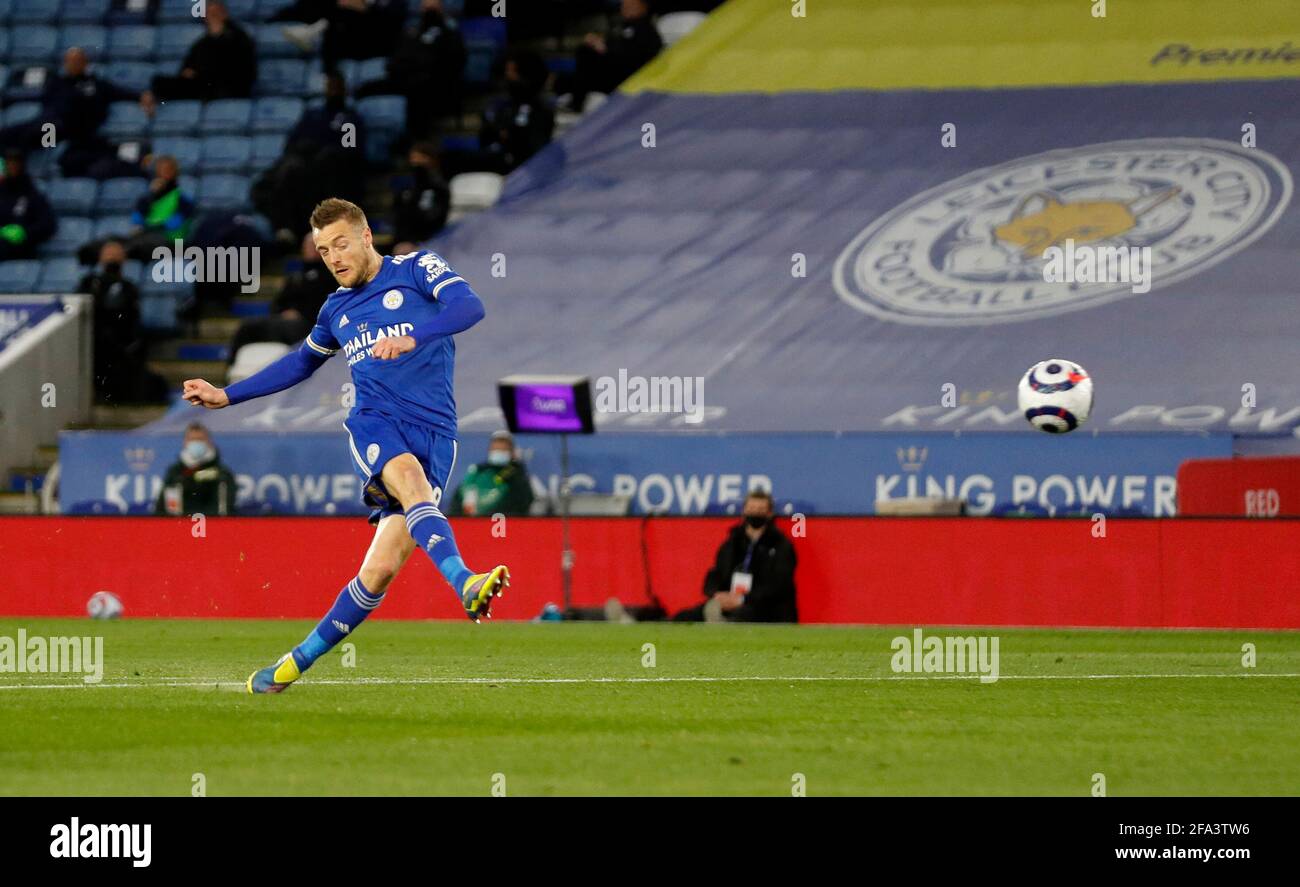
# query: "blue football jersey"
[408,290]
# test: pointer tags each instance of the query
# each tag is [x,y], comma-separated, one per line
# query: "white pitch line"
[658,680]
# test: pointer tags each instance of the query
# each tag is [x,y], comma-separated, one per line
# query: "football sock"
[429,528]
[351,608]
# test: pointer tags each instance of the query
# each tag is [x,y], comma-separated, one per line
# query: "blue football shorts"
[374,439]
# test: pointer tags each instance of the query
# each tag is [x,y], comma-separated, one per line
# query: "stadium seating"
[223,192]
[112,226]
[72,196]
[267,149]
[174,41]
[187,151]
[59,276]
[226,153]
[21,113]
[27,83]
[33,45]
[227,116]
[91,12]
[72,232]
[133,75]
[178,117]
[131,43]
[283,77]
[275,114]
[475,190]
[485,40]
[33,12]
[272,44]
[385,117]
[125,120]
[91,38]
[119,196]
[19,275]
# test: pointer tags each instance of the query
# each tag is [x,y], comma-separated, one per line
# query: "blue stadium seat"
[367,70]
[276,114]
[125,120]
[72,232]
[227,116]
[268,8]
[87,12]
[385,116]
[272,44]
[92,38]
[112,226]
[223,192]
[226,153]
[132,43]
[135,76]
[34,12]
[268,147]
[171,12]
[44,164]
[4,42]
[6,7]
[177,117]
[160,301]
[72,196]
[33,45]
[175,40]
[187,151]
[485,39]
[22,112]
[189,185]
[242,11]
[119,196]
[59,276]
[282,77]
[19,275]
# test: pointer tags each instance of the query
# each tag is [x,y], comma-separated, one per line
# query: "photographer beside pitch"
[394,318]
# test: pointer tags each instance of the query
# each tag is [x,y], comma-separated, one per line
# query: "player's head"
[344,241]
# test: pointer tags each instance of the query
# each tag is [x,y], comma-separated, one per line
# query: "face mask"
[113,269]
[498,457]
[756,521]
[195,452]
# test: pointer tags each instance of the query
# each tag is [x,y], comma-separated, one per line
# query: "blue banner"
[16,317]
[687,473]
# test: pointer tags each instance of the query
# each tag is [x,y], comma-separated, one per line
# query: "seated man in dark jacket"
[752,579]
[515,127]
[197,483]
[604,62]
[222,64]
[26,218]
[421,197]
[426,66]
[76,104]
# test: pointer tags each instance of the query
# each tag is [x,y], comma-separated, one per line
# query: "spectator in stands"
[294,310]
[604,62]
[344,29]
[324,157]
[197,483]
[222,64]
[427,67]
[498,486]
[26,218]
[76,104]
[161,216]
[752,578]
[421,197]
[515,127]
[118,338]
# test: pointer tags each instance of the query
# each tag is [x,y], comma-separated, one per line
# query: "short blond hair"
[335,208]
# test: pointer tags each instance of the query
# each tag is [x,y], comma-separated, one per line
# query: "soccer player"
[393,317]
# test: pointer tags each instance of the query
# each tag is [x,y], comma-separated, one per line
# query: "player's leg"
[406,478]
[389,550]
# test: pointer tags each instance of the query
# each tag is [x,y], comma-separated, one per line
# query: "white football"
[104,605]
[1055,395]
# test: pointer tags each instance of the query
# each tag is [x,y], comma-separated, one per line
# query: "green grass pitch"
[544,709]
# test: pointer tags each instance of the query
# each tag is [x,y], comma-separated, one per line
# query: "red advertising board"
[1253,487]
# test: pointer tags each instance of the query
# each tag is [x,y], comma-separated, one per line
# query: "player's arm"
[461,309]
[286,372]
